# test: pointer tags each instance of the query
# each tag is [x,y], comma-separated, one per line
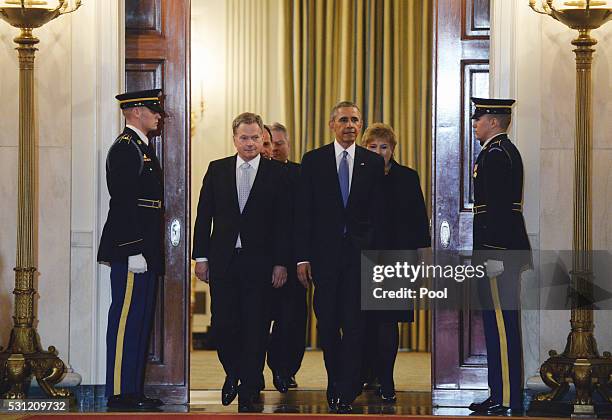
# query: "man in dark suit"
[131,244]
[338,212]
[244,202]
[289,310]
[502,244]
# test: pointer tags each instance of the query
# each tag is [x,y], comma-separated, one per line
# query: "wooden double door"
[461,71]
[157,55]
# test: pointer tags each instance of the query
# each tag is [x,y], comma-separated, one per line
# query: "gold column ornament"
[580,362]
[24,356]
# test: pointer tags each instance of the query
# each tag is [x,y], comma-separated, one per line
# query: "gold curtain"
[378,54]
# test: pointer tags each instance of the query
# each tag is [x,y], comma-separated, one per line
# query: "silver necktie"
[244,185]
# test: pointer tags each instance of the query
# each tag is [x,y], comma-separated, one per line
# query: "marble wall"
[532,61]
[53,128]
[77,65]
[557,161]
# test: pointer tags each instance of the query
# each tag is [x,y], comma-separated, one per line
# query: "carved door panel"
[157,56]
[461,57]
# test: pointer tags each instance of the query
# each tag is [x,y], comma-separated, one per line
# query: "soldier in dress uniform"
[501,243]
[131,244]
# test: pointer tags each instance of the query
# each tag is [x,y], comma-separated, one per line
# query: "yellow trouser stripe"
[503,343]
[127,300]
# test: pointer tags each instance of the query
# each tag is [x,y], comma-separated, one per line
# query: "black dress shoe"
[291,383]
[497,409]
[484,405]
[280,383]
[247,405]
[387,394]
[154,401]
[130,402]
[332,399]
[371,385]
[344,408]
[229,391]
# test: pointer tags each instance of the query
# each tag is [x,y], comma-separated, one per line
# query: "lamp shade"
[579,4]
[582,15]
[35,13]
[64,6]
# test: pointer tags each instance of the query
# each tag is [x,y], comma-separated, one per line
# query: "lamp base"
[568,409]
[17,366]
[589,373]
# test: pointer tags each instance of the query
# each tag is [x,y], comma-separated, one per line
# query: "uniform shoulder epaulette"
[498,147]
[125,137]
[121,143]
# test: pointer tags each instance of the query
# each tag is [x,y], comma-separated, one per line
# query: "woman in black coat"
[406,227]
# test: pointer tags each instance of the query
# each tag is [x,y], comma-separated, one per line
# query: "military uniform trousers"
[500,297]
[130,319]
[288,337]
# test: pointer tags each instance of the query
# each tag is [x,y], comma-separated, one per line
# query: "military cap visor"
[149,98]
[483,106]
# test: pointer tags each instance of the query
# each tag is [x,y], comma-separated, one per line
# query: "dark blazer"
[293,171]
[498,197]
[262,224]
[320,214]
[135,183]
[406,222]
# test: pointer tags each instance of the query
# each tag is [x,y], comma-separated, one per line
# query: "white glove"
[494,268]
[137,264]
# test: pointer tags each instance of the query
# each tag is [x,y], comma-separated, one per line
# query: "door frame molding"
[110,19]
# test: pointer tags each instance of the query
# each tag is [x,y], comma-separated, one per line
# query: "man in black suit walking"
[245,198]
[338,213]
[289,309]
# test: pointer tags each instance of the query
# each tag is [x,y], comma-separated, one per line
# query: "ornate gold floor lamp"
[580,362]
[24,355]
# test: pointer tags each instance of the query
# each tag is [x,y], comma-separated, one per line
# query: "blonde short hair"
[247,118]
[379,131]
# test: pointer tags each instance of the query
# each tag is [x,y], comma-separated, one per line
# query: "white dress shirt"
[254,166]
[142,135]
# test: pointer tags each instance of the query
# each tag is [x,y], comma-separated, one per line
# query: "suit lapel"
[359,166]
[257,182]
[332,173]
[230,172]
